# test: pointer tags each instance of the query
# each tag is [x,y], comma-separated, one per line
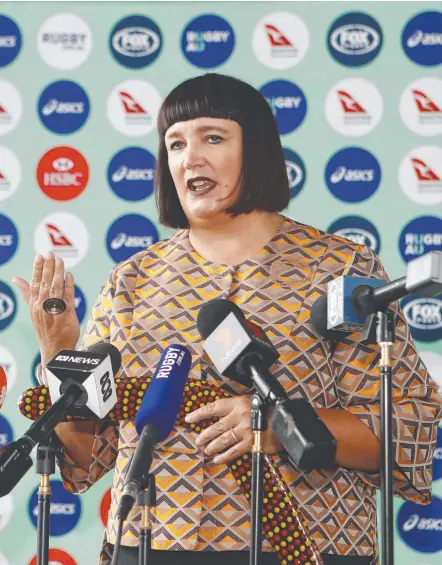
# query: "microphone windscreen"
[318,318]
[164,396]
[212,314]
[104,348]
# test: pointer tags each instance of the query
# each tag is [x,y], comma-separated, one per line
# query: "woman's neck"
[235,240]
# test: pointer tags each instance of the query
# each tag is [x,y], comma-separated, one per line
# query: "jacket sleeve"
[417,405]
[105,447]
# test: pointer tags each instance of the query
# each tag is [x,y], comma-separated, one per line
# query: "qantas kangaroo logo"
[131,106]
[424,103]
[349,104]
[423,171]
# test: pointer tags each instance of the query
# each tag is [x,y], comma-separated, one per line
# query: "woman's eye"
[215,139]
[175,145]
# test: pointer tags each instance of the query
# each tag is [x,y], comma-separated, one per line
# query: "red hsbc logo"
[56,557]
[62,173]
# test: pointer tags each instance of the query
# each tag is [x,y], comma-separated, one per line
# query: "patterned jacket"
[152,300]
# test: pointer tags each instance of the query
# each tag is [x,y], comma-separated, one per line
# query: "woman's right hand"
[54,332]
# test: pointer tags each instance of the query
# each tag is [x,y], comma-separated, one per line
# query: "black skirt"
[129,556]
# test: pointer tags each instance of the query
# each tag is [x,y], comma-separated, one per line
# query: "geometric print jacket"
[152,300]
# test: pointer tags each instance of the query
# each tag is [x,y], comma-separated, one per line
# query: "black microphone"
[15,461]
[241,351]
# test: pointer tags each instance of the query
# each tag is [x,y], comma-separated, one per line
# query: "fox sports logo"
[424,316]
[136,41]
[355,39]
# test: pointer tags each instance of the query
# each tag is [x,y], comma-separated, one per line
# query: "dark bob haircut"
[264,182]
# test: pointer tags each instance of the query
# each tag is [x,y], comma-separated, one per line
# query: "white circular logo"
[421,106]
[10,173]
[6,509]
[280,40]
[3,560]
[65,235]
[420,174]
[9,364]
[353,107]
[64,41]
[433,362]
[11,107]
[133,106]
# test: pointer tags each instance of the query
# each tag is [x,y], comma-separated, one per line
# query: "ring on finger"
[54,306]
[232,431]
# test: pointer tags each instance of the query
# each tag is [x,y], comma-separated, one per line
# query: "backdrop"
[358,100]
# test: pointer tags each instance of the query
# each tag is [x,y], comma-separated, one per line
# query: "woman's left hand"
[233,414]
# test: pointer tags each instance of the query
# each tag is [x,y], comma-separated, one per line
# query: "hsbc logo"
[352,175]
[63,173]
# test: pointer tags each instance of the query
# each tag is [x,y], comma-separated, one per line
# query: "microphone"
[233,343]
[3,386]
[350,300]
[92,370]
[155,418]
[14,457]
[240,350]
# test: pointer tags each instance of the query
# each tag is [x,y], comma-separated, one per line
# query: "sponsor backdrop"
[357,96]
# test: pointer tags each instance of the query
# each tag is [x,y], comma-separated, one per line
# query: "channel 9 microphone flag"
[363,155]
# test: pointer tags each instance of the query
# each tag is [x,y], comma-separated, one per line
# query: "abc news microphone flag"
[77,161]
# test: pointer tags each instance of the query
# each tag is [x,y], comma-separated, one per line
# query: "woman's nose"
[193,156]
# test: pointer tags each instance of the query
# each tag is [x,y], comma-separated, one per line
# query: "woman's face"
[205,161]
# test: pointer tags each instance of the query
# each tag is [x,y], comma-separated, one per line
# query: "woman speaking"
[221,181]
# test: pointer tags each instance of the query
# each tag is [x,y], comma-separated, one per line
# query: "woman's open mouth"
[200,185]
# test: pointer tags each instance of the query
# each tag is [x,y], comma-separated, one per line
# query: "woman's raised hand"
[54,332]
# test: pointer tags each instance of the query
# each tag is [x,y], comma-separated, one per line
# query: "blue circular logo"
[80,304]
[136,41]
[35,363]
[296,172]
[437,457]
[10,40]
[131,172]
[424,316]
[420,526]
[287,102]
[354,39]
[208,41]
[65,509]
[8,306]
[8,239]
[421,235]
[353,174]
[63,107]
[422,39]
[6,433]
[357,229]
[129,235]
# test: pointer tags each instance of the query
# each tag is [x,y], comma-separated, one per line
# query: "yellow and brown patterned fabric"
[152,300]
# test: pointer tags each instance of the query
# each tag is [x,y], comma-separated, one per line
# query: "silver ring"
[54,306]
[232,431]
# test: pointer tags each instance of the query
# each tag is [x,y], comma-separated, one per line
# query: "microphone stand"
[146,499]
[385,335]
[45,466]
[258,413]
